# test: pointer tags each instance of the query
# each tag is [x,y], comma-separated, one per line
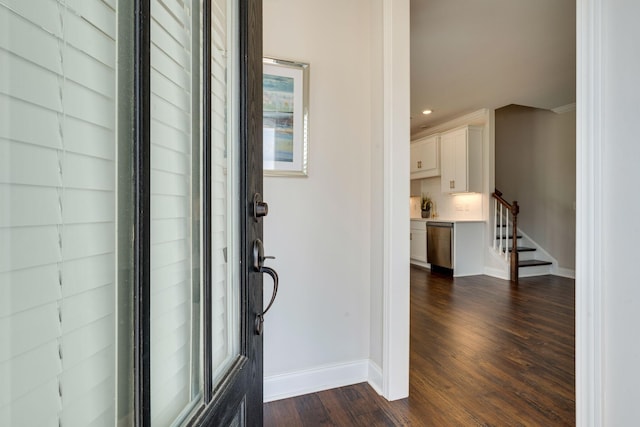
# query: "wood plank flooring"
[483,353]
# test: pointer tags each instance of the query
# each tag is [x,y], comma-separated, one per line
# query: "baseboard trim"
[421,265]
[375,377]
[564,272]
[497,273]
[293,384]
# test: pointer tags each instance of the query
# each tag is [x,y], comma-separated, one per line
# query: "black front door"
[203,359]
[236,397]
[130,161]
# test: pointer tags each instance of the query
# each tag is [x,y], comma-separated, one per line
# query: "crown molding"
[478,117]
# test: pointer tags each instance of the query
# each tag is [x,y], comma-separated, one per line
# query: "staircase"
[522,261]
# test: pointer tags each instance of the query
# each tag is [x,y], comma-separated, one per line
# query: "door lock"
[260,208]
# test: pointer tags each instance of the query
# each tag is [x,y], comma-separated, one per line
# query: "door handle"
[258,267]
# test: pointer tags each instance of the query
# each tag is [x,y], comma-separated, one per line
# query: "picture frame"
[285,117]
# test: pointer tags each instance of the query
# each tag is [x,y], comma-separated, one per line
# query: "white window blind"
[173,206]
[224,292]
[57,212]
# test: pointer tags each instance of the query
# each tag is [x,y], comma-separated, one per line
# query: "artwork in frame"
[285,117]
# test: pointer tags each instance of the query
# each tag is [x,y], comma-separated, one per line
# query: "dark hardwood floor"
[483,353]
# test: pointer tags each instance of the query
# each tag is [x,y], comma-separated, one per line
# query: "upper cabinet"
[425,157]
[461,160]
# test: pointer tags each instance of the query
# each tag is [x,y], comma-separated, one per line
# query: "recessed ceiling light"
[426,112]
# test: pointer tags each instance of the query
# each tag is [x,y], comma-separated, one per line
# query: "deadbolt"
[260,208]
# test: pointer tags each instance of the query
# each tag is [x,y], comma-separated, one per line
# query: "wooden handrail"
[498,196]
[514,209]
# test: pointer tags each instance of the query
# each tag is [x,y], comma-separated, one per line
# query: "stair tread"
[521,249]
[533,263]
[508,237]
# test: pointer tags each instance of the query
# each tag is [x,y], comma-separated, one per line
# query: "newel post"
[514,243]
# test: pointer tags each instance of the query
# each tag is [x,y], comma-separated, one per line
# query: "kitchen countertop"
[446,220]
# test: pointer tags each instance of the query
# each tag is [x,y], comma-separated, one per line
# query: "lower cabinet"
[467,247]
[419,241]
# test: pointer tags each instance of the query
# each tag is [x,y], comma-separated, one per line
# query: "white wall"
[341,234]
[536,165]
[377,183]
[319,227]
[620,211]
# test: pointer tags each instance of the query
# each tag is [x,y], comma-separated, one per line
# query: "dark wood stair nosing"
[533,263]
[509,237]
[520,249]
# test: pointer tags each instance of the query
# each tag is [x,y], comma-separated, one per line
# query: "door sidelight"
[258,266]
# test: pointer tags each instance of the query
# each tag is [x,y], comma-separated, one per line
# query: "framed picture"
[285,117]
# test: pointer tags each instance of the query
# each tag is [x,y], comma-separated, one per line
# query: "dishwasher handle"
[440,224]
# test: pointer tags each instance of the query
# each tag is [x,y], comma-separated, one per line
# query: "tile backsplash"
[414,206]
[463,206]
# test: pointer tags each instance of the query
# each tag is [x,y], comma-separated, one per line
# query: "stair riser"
[539,270]
[526,255]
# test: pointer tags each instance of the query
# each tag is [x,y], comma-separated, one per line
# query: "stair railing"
[503,213]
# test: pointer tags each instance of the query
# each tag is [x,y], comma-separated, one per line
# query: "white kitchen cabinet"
[461,160]
[425,157]
[468,248]
[418,251]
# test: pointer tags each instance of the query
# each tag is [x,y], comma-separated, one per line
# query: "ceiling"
[471,54]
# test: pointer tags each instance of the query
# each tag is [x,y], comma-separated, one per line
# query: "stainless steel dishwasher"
[439,244]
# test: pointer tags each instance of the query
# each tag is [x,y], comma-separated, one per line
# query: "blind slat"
[91,409]
[28,330]
[87,273]
[28,206]
[21,412]
[23,35]
[13,114]
[174,15]
[169,230]
[41,87]
[166,207]
[165,40]
[18,250]
[169,275]
[90,340]
[169,253]
[30,165]
[27,289]
[171,161]
[87,240]
[168,137]
[32,371]
[169,183]
[46,15]
[172,116]
[97,12]
[80,137]
[169,91]
[79,379]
